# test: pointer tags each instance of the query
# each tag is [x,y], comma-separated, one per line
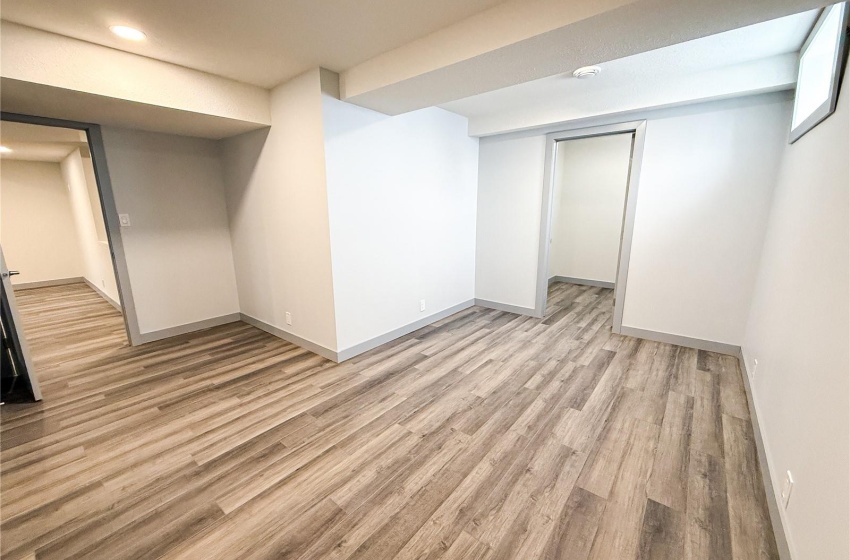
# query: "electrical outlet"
[102,283]
[288,318]
[787,486]
[755,367]
[124,219]
[421,305]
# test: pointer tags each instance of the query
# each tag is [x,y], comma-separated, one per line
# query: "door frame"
[107,206]
[638,130]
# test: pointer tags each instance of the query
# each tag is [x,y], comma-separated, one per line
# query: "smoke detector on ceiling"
[587,72]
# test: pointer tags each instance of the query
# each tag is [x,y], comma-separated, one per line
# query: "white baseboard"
[679,340]
[188,328]
[581,282]
[48,283]
[505,307]
[774,507]
[103,294]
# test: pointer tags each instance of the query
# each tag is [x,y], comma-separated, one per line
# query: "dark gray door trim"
[110,212]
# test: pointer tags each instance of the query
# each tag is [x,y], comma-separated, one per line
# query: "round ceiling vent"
[587,72]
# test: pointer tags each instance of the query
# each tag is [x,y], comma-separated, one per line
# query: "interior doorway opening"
[589,201]
[57,248]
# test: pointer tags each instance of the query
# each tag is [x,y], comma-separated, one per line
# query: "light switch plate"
[124,219]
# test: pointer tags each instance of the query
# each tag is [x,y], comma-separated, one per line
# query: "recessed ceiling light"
[128,33]
[587,72]
[5,150]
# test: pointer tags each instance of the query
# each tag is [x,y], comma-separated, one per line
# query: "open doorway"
[587,218]
[59,265]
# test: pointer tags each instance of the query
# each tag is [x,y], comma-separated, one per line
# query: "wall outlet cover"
[421,305]
[755,367]
[288,318]
[124,220]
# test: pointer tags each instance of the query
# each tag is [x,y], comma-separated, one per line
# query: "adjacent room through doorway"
[589,186]
[54,241]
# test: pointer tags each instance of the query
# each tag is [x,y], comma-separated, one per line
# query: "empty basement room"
[480,279]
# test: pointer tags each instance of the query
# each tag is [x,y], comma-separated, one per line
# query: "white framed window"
[821,59]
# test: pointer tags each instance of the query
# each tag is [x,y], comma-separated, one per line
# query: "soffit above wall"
[37,99]
[51,75]
[32,142]
[753,59]
[388,84]
[23,151]
[33,133]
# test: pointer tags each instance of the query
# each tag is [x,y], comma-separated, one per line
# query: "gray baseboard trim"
[288,336]
[367,345]
[582,282]
[153,336]
[698,343]
[102,294]
[48,283]
[773,504]
[505,307]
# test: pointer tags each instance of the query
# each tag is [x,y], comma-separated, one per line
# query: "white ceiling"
[31,142]
[743,56]
[260,42]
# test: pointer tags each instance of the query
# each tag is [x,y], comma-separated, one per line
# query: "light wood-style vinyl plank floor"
[487,435]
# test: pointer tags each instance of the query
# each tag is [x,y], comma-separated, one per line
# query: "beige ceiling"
[262,42]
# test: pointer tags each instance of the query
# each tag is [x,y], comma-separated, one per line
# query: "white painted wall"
[510,187]
[37,229]
[278,209]
[109,283]
[94,199]
[591,176]
[96,269]
[402,204]
[708,173]
[178,250]
[347,218]
[798,330]
[705,188]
